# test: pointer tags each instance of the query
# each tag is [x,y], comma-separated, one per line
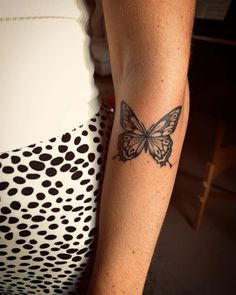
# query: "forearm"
[134,201]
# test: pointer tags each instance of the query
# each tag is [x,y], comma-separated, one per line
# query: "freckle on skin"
[162,80]
[113,286]
[133,251]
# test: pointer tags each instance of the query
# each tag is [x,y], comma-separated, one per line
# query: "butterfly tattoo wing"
[159,140]
[132,140]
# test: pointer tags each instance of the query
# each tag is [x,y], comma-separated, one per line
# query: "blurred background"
[196,250]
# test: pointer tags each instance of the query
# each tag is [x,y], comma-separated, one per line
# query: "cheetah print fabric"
[49,203]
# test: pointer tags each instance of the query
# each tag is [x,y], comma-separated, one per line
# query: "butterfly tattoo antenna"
[136,137]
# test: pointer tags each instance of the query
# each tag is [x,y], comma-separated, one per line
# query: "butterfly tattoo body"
[136,137]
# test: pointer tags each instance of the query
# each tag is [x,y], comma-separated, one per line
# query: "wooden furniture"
[223,158]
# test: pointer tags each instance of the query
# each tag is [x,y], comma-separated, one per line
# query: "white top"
[46,70]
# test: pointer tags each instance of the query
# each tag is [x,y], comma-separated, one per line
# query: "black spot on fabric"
[47,205]
[44,246]
[76,209]
[87,219]
[22,226]
[79,161]
[15,250]
[67,207]
[15,205]
[87,200]
[70,229]
[48,147]
[4,155]
[65,167]
[2,219]
[91,157]
[85,133]
[77,175]
[92,232]
[80,197]
[24,233]
[62,148]
[64,256]
[83,148]
[53,226]
[73,169]
[13,220]
[86,164]
[27,154]
[38,218]
[58,184]
[26,257]
[51,172]
[77,140]
[5,210]
[91,171]
[98,176]
[69,156]
[76,258]
[53,191]
[50,237]
[66,137]
[26,216]
[85,228]
[56,209]
[4,229]
[22,168]
[89,188]
[32,176]
[19,180]
[85,181]
[53,139]
[51,218]
[37,150]
[40,196]
[82,251]
[59,200]
[37,165]
[9,236]
[57,161]
[7,169]
[45,157]
[42,232]
[15,159]
[46,183]
[92,127]
[70,191]
[27,191]
[12,191]
[3,185]
[96,139]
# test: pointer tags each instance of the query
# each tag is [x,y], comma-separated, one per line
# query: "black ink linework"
[136,137]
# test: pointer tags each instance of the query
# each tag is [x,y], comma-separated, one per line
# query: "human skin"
[149,44]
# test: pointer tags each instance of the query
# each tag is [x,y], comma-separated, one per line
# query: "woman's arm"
[149,43]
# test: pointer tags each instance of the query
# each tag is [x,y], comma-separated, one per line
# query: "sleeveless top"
[46,70]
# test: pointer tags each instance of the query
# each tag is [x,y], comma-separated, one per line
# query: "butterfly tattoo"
[136,137]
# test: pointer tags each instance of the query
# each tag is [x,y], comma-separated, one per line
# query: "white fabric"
[46,71]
